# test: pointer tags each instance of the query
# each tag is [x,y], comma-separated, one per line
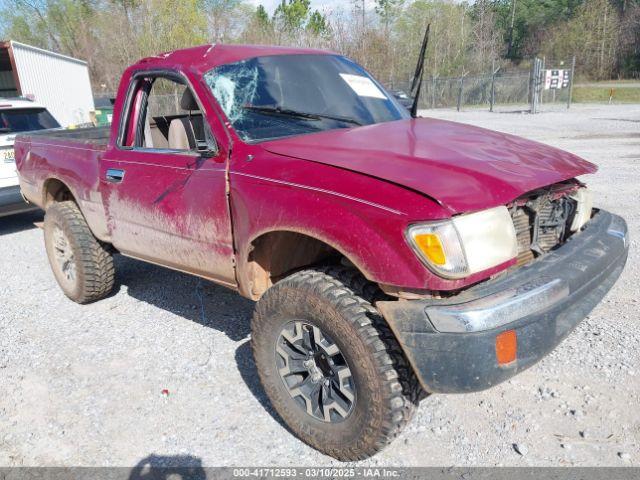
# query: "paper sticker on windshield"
[363,86]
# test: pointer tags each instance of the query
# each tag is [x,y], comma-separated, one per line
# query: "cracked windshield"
[285,95]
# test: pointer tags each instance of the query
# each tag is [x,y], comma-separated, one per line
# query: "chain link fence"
[522,88]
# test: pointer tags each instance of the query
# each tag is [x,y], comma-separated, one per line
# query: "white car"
[17,115]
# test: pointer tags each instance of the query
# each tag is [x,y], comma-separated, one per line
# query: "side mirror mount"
[206,151]
[208,148]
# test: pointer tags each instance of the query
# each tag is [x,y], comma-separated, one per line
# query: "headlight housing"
[466,244]
[584,207]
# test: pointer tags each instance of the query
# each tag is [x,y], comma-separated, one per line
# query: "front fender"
[368,232]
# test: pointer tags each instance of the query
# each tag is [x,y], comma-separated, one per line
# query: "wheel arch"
[274,254]
[55,190]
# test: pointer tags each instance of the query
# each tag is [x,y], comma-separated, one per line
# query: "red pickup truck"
[389,256]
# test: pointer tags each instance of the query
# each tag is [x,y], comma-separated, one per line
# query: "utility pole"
[573,72]
[494,72]
[359,5]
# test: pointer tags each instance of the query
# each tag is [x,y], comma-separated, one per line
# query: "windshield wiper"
[275,110]
[340,118]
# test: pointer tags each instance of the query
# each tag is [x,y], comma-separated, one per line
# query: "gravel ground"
[162,368]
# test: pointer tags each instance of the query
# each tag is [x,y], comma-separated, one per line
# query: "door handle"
[114,175]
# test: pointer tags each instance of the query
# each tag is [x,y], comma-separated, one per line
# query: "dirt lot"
[83,385]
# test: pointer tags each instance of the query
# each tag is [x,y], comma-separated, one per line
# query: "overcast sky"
[322,5]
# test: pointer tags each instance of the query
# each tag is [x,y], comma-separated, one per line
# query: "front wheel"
[329,364]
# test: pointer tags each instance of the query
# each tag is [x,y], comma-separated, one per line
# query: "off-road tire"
[338,300]
[94,269]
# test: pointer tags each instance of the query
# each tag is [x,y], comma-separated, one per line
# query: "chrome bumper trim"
[498,309]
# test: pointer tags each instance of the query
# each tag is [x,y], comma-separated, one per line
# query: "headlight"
[584,200]
[466,244]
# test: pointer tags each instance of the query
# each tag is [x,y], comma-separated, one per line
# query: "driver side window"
[169,117]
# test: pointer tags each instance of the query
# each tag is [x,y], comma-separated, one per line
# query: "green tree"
[317,23]
[629,42]
[63,25]
[262,16]
[292,14]
[172,24]
[592,36]
[487,45]
[467,36]
[259,28]
[625,5]
[524,22]
[450,37]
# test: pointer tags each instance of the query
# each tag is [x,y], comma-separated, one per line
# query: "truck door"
[164,182]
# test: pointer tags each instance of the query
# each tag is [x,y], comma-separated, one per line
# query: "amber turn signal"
[430,245]
[506,347]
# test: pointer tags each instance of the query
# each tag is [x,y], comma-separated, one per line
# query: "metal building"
[58,82]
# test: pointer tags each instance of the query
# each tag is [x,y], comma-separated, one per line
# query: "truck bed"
[93,135]
[51,158]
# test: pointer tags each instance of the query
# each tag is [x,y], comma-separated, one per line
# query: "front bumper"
[451,343]
[11,201]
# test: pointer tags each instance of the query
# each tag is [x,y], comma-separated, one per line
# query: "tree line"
[466,37]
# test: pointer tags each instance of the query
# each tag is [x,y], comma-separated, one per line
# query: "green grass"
[597,94]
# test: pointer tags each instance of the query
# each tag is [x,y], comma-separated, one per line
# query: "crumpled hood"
[465,168]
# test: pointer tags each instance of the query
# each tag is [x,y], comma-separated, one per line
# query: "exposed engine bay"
[546,218]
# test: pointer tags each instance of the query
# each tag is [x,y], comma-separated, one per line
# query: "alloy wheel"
[315,372]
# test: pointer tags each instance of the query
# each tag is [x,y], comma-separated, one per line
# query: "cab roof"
[203,58]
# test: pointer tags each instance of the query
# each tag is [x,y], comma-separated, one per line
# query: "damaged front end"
[569,256]
[545,219]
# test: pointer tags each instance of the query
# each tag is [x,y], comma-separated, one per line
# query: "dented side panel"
[170,209]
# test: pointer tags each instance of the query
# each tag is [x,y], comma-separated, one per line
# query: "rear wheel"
[81,264]
[329,364]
